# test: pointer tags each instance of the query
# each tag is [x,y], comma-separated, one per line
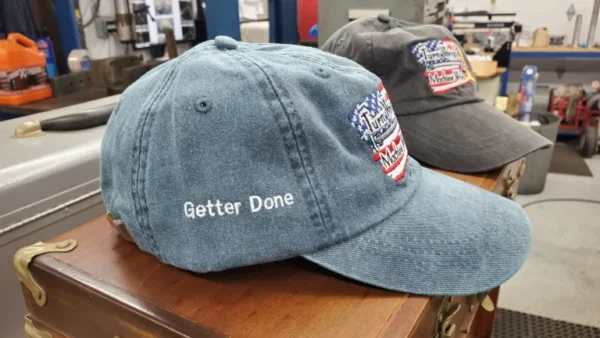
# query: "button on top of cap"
[383,18]
[225,42]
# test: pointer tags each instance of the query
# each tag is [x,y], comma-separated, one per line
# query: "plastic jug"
[23,76]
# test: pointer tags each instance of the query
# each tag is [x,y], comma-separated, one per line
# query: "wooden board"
[107,287]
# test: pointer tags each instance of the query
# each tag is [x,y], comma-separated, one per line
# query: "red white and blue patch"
[376,123]
[444,63]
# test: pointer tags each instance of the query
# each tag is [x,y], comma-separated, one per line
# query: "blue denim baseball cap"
[237,154]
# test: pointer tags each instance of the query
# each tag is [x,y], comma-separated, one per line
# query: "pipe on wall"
[593,24]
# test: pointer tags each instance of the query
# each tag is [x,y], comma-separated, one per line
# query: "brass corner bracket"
[25,255]
[33,332]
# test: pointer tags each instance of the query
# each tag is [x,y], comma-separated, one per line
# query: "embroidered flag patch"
[444,63]
[376,123]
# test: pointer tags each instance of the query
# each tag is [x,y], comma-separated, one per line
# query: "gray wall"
[333,14]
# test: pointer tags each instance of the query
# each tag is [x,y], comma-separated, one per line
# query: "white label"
[249,11]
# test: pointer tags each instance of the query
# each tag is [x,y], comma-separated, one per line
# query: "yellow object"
[466,68]
[540,37]
[484,68]
[487,304]
[501,103]
[33,332]
[28,129]
[25,255]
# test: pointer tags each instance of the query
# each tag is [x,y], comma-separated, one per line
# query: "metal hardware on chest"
[512,180]
[511,193]
[25,255]
[483,298]
[487,304]
[471,301]
[522,168]
[444,327]
[32,332]
[511,177]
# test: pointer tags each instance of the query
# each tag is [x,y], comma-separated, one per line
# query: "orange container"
[23,75]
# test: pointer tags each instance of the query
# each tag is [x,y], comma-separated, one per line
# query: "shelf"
[558,52]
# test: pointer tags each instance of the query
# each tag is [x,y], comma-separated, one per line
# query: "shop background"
[533,14]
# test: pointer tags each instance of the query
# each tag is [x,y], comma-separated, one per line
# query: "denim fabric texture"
[237,154]
[434,93]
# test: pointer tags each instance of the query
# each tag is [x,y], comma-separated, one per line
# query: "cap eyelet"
[321,72]
[203,105]
[340,42]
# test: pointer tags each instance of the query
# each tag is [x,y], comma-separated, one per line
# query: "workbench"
[556,65]
[561,52]
[8,112]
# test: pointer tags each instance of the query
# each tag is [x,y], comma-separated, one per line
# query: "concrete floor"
[561,277]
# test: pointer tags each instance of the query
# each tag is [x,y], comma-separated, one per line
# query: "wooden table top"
[293,297]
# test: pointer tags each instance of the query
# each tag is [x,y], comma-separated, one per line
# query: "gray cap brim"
[468,138]
[451,238]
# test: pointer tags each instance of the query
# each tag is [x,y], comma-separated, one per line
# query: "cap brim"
[468,138]
[451,238]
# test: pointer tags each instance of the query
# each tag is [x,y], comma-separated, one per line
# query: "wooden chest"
[104,286]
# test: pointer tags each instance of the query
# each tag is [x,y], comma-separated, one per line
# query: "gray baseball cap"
[434,94]
[236,154]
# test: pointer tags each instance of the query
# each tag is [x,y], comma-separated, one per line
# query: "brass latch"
[447,328]
[444,327]
[24,256]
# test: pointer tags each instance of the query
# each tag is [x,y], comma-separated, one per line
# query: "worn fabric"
[434,93]
[237,154]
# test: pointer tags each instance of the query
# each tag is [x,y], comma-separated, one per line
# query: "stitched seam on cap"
[300,174]
[134,187]
[140,180]
[309,58]
[373,55]
[289,147]
[301,147]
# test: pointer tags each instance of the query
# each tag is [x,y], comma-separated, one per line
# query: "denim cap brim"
[451,238]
